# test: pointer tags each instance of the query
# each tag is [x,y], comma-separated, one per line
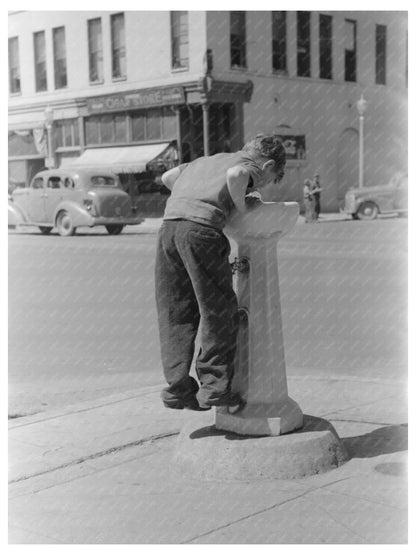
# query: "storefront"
[138,134]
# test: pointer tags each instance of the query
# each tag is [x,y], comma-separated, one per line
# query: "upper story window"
[95,50]
[118,46]
[279,41]
[14,66]
[351,50]
[41,81]
[179,39]
[381,54]
[59,57]
[325,46]
[304,44]
[238,39]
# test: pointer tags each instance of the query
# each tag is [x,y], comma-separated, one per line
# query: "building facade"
[137,91]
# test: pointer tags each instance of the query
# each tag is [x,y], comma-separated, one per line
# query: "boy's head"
[269,152]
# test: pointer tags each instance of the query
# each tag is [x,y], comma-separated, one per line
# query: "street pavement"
[102,471]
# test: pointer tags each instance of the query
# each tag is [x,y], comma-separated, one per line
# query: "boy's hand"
[253,199]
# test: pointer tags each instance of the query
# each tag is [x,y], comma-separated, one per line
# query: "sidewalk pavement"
[102,473]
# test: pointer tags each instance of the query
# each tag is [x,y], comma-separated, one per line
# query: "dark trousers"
[194,292]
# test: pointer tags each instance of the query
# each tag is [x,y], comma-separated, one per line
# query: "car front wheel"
[65,224]
[367,211]
[114,229]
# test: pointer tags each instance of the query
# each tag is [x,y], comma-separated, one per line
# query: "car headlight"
[88,204]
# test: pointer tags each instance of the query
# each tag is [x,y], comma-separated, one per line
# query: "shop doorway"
[347,163]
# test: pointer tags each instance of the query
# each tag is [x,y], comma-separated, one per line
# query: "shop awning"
[128,159]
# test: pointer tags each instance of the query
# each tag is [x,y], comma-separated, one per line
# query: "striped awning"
[126,159]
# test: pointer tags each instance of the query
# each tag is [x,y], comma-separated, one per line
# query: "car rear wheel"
[65,224]
[114,229]
[45,230]
[367,211]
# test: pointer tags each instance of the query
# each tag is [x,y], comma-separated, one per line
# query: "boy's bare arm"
[237,182]
[169,177]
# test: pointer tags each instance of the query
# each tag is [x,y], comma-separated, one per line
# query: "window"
[144,125]
[59,57]
[40,61]
[37,183]
[95,50]
[66,133]
[381,48]
[153,124]
[14,67]
[138,127]
[54,183]
[279,41]
[351,50]
[238,39]
[118,46]
[304,44]
[179,39]
[325,46]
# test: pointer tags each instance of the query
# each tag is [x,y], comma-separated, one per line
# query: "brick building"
[136,91]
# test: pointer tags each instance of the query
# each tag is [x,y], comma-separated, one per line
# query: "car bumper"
[116,221]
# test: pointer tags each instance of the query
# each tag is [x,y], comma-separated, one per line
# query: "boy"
[193,275]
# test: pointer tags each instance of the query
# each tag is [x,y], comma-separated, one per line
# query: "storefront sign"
[145,98]
[295,147]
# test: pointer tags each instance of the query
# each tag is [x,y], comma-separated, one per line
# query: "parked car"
[366,203]
[68,198]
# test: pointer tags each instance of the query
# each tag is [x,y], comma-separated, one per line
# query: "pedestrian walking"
[316,191]
[193,275]
[309,201]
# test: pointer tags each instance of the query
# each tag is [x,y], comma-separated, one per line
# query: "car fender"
[80,216]
[16,215]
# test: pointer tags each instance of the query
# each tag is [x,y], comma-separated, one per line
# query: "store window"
[279,41]
[325,46]
[169,122]
[179,39]
[95,51]
[14,66]
[118,46]
[304,44]
[138,127]
[351,50]
[66,133]
[41,82]
[153,125]
[381,54]
[59,57]
[147,125]
[238,39]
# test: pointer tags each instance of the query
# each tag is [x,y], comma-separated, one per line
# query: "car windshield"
[103,181]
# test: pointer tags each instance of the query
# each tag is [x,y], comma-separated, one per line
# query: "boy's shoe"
[233,401]
[191,404]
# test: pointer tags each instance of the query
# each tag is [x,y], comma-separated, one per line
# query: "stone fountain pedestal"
[270,437]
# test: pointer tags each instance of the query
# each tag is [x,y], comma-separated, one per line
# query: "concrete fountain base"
[203,452]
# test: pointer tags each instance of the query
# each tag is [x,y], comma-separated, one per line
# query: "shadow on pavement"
[389,439]
[310,424]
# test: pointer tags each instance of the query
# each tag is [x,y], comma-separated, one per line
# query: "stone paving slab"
[136,497]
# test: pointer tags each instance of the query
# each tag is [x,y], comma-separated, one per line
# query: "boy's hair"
[268,146]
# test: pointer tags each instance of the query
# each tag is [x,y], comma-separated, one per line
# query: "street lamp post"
[361,107]
[49,122]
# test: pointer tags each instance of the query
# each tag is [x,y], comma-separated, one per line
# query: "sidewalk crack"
[262,511]
[109,451]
